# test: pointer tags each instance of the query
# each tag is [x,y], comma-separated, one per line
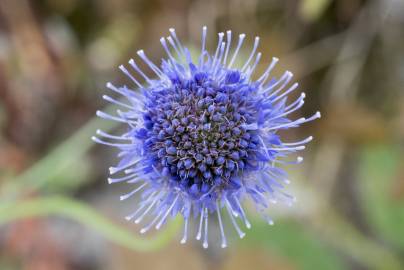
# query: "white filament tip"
[205,245]
[248,225]
[242,235]
[224,245]
[318,114]
[140,52]
[299,159]
[142,231]
[242,35]
[171,30]
[271,222]
[204,27]
[109,181]
[108,84]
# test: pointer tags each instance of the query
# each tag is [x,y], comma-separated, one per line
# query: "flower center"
[196,131]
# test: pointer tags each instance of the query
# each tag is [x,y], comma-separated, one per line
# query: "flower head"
[202,136]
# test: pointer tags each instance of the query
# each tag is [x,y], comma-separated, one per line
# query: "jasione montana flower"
[202,136]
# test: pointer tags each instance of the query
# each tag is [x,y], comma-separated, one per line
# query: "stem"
[58,160]
[85,215]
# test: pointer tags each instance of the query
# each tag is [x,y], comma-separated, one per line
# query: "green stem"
[339,233]
[87,216]
[60,159]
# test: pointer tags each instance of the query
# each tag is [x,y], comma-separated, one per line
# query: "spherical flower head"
[202,136]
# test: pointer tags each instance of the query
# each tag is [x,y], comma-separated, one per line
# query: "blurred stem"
[339,233]
[87,216]
[60,159]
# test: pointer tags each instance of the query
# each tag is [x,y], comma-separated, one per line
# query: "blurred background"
[56,208]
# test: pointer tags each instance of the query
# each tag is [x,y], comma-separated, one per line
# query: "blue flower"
[202,136]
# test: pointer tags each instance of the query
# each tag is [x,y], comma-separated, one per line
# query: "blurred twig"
[342,235]
[60,159]
[343,83]
[87,216]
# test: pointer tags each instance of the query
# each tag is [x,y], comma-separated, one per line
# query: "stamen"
[164,44]
[291,124]
[219,43]
[110,99]
[243,215]
[204,30]
[110,136]
[304,141]
[219,217]
[130,194]
[233,221]
[118,145]
[205,240]
[113,170]
[121,179]
[148,227]
[297,101]
[184,237]
[172,43]
[174,35]
[228,46]
[266,218]
[240,43]
[297,148]
[152,66]
[266,73]
[251,70]
[140,218]
[265,147]
[110,117]
[199,234]
[286,76]
[127,73]
[112,87]
[167,213]
[287,79]
[291,89]
[297,161]
[256,42]
[219,59]
[131,216]
[301,103]
[138,70]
